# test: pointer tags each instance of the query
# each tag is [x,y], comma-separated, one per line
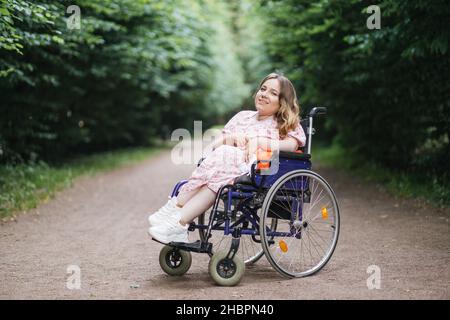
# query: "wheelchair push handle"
[317,111]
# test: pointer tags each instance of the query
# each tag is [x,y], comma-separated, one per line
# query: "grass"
[25,186]
[399,184]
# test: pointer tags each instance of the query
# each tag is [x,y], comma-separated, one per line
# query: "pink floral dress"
[224,164]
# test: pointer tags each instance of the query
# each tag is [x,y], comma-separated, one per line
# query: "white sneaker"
[165,212]
[170,233]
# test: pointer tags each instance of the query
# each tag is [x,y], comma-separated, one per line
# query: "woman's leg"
[184,197]
[198,204]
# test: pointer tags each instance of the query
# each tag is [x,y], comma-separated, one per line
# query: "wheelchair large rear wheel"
[308,223]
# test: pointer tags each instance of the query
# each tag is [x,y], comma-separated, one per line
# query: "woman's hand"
[236,139]
[240,140]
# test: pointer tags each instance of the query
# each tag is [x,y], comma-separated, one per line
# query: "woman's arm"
[288,144]
[231,139]
[218,141]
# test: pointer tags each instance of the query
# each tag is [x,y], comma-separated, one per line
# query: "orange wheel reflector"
[324,213]
[283,246]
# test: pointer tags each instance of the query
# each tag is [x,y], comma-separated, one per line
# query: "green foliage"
[228,83]
[398,183]
[387,90]
[134,70]
[138,69]
[249,24]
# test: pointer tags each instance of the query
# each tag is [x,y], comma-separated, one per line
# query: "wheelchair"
[281,210]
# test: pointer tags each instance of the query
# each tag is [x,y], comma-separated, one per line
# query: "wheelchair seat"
[245,179]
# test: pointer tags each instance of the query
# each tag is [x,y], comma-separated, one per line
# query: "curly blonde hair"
[288,114]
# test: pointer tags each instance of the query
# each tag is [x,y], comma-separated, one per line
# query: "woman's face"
[267,100]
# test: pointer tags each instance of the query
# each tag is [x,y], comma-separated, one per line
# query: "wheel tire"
[174,262]
[282,181]
[223,277]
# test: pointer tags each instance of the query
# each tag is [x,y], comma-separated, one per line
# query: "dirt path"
[100,225]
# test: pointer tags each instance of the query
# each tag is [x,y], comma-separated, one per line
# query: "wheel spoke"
[309,241]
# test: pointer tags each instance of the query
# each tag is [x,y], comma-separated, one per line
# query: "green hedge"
[387,90]
[134,70]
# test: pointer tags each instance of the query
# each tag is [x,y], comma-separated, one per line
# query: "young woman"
[274,124]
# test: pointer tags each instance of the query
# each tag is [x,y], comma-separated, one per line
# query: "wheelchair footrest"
[197,246]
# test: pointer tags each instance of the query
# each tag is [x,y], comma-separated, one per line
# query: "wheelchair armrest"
[295,155]
[285,155]
[286,161]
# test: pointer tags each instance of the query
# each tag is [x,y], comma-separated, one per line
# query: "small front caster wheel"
[173,261]
[225,271]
